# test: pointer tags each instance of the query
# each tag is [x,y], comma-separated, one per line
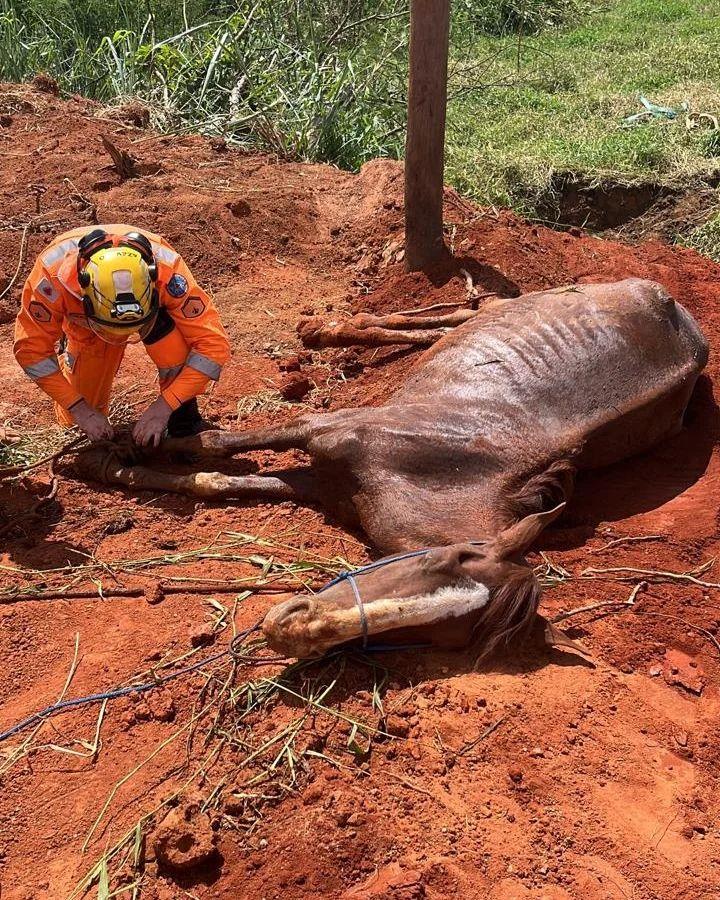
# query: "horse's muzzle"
[285,626]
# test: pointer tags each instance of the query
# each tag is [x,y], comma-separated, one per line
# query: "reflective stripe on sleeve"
[57,253]
[43,368]
[166,372]
[52,256]
[164,254]
[205,365]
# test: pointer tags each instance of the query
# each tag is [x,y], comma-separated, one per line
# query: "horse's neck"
[400,512]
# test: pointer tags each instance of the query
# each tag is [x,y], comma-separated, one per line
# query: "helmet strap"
[87,305]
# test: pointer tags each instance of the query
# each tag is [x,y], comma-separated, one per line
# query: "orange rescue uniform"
[188,343]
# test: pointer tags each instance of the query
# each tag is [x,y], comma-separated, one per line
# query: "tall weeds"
[310,79]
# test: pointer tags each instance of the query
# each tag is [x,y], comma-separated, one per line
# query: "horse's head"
[454,595]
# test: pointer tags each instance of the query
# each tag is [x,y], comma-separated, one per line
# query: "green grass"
[563,108]
[706,238]
[537,87]
[317,80]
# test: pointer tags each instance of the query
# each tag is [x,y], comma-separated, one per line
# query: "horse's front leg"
[105,467]
[224,444]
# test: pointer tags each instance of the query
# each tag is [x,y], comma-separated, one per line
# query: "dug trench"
[631,210]
[407,775]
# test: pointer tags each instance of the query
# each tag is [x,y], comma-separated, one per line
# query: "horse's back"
[608,367]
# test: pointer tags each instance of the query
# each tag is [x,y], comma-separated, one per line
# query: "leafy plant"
[313,81]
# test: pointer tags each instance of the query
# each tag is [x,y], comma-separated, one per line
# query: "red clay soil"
[540,776]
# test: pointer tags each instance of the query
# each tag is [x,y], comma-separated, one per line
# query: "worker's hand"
[149,428]
[91,422]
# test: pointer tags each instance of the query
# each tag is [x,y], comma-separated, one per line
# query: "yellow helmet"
[118,294]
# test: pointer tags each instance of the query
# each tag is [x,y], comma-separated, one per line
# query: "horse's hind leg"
[316,335]
[377,331]
[401,321]
[290,485]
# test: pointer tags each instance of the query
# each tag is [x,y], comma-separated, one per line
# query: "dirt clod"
[132,113]
[295,386]
[202,636]
[119,524]
[681,670]
[397,726]
[185,840]
[46,83]
[162,705]
[154,594]
[289,364]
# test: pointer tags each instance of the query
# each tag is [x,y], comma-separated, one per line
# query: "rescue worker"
[94,290]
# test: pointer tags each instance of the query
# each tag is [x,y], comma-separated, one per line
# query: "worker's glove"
[151,425]
[91,422]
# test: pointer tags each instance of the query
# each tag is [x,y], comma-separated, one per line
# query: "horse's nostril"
[281,629]
[299,604]
[279,614]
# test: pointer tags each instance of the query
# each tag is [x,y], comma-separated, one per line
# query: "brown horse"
[481,444]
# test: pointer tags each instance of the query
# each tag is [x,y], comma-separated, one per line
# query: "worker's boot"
[186,420]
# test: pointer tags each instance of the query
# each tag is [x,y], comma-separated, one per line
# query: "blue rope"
[369,567]
[378,564]
[361,609]
[233,650]
[63,705]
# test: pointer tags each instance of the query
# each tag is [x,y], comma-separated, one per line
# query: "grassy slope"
[565,107]
[510,126]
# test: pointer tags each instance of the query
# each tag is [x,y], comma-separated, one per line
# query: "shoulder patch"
[192,307]
[177,286]
[47,289]
[39,311]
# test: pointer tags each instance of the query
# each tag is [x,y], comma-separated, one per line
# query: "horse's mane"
[543,490]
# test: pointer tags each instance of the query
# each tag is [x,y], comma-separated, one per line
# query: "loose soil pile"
[541,776]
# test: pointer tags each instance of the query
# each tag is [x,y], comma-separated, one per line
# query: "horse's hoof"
[93,463]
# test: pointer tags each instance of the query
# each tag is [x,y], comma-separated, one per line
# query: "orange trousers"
[91,368]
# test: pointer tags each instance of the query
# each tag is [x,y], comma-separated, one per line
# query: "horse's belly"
[636,430]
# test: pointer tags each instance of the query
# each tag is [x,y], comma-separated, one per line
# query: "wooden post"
[425,144]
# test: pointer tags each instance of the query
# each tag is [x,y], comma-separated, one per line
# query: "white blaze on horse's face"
[488,585]
[406,593]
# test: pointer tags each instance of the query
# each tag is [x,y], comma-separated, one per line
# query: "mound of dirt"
[538,777]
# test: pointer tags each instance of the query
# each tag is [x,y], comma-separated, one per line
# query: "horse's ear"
[518,537]
[558,640]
